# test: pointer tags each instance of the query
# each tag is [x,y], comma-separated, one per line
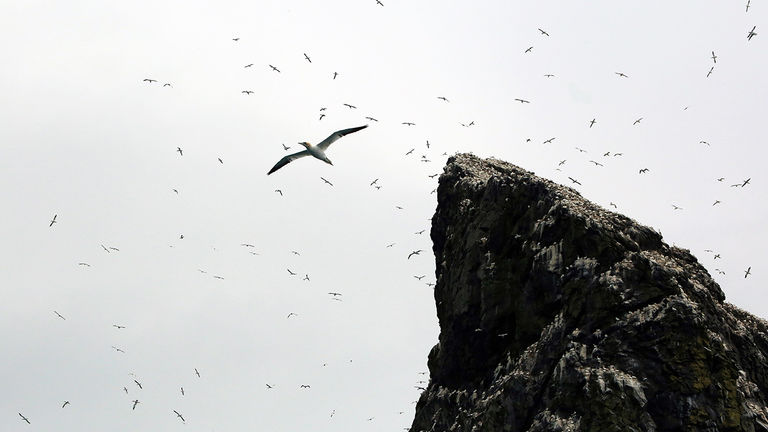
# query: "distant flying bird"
[747,272]
[420,277]
[614,205]
[285,147]
[279,191]
[714,57]
[596,163]
[268,386]
[443,98]
[637,121]
[135,402]
[304,386]
[53,221]
[321,117]
[350,106]
[374,182]
[247,92]
[747,10]
[167,85]
[326,181]
[710,71]
[522,100]
[307,57]
[306,277]
[65,403]
[416,252]
[581,150]
[291,314]
[548,75]
[716,202]
[236,39]
[179,416]
[152,80]
[334,75]
[182,391]
[220,161]
[621,75]
[83,264]
[574,180]
[420,232]
[543,32]
[24,418]
[751,33]
[529,49]
[181,152]
[371,119]
[248,65]
[335,294]
[592,123]
[378,2]
[549,140]
[409,124]
[118,326]
[643,171]
[390,245]
[138,384]
[746,182]
[275,69]
[197,373]
[675,207]
[295,253]
[118,349]
[292,273]
[410,151]
[704,142]
[59,315]
[562,162]
[317,151]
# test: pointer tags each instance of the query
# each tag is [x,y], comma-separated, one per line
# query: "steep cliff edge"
[556,314]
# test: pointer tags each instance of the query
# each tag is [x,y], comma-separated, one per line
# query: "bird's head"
[305,144]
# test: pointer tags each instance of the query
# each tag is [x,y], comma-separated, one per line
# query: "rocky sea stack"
[558,315]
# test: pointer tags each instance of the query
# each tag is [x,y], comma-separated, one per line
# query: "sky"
[85,138]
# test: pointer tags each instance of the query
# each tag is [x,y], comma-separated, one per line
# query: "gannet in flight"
[318,151]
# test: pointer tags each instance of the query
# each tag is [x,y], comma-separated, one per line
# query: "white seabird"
[318,151]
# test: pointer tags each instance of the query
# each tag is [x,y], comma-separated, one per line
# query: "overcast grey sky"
[83,137]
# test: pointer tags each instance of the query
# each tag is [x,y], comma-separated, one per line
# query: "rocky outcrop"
[558,315]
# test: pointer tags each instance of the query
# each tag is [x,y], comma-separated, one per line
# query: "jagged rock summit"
[558,315]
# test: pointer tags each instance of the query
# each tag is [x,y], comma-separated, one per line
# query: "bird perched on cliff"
[317,151]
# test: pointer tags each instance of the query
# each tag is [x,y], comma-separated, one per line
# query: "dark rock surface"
[558,315]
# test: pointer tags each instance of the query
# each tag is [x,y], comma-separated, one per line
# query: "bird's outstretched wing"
[338,134]
[287,159]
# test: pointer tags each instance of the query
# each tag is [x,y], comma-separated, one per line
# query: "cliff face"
[556,315]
